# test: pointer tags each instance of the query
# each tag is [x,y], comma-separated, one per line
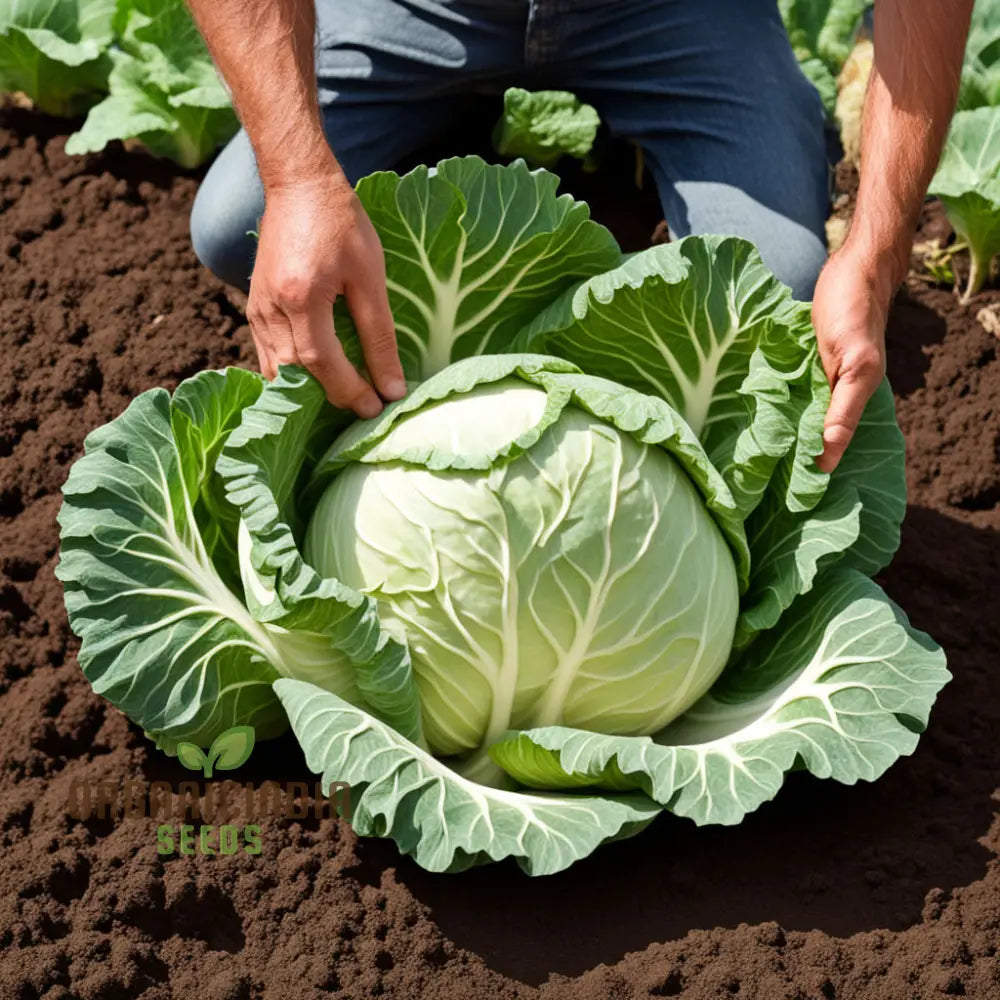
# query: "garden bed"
[879,891]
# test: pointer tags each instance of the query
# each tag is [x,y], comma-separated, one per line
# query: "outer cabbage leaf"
[702,324]
[875,466]
[788,549]
[545,125]
[163,637]
[818,74]
[162,36]
[263,461]
[856,523]
[968,183]
[446,822]
[56,51]
[473,251]
[844,686]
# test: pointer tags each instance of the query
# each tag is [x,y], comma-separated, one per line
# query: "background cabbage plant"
[584,572]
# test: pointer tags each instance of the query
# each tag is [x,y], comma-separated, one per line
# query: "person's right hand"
[316,244]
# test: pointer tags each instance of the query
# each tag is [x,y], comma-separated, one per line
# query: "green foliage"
[55,51]
[584,572]
[146,60]
[545,125]
[968,183]
[981,67]
[822,33]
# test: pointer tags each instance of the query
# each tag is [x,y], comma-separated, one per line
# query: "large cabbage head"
[506,533]
[587,570]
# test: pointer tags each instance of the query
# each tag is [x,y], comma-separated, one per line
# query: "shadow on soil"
[912,329]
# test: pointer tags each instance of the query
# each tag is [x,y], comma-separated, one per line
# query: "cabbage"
[514,587]
[56,52]
[585,572]
[967,182]
[545,125]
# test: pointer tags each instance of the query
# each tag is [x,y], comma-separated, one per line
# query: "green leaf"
[980,85]
[787,550]
[473,251]
[204,412]
[822,33]
[843,685]
[968,183]
[163,87]
[447,822]
[55,52]
[232,748]
[162,635]
[163,38]
[702,324]
[856,523]
[365,440]
[330,634]
[875,466]
[545,125]
[818,74]
[191,756]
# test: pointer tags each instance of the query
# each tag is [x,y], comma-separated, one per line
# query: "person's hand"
[316,244]
[849,311]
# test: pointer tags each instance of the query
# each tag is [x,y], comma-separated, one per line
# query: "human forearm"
[911,95]
[918,57]
[264,51]
[316,242]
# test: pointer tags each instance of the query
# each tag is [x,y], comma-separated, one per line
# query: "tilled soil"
[878,892]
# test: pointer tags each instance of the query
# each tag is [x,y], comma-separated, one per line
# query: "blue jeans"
[731,129]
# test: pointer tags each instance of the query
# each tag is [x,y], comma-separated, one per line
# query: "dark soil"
[878,892]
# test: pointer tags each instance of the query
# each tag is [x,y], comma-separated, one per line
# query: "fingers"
[321,353]
[857,380]
[369,305]
[324,247]
[267,334]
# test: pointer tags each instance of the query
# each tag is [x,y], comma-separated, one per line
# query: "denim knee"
[227,209]
[798,266]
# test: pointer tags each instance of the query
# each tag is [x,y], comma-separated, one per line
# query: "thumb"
[851,392]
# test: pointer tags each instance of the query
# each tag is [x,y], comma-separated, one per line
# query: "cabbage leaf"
[56,52]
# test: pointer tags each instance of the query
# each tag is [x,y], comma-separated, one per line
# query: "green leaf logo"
[192,757]
[228,751]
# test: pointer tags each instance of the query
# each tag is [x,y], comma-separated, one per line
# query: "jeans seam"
[541,35]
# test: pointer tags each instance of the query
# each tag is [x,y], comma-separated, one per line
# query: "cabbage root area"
[580,613]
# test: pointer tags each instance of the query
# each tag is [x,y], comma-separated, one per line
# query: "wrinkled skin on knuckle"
[295,291]
[262,310]
[311,356]
[255,315]
[285,355]
[864,364]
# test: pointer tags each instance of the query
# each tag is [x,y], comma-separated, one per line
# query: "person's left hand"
[849,312]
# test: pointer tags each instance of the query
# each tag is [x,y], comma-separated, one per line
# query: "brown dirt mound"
[875,892]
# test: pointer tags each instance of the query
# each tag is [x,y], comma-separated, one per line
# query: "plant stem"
[978,269]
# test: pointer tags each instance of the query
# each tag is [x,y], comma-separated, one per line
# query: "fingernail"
[394,389]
